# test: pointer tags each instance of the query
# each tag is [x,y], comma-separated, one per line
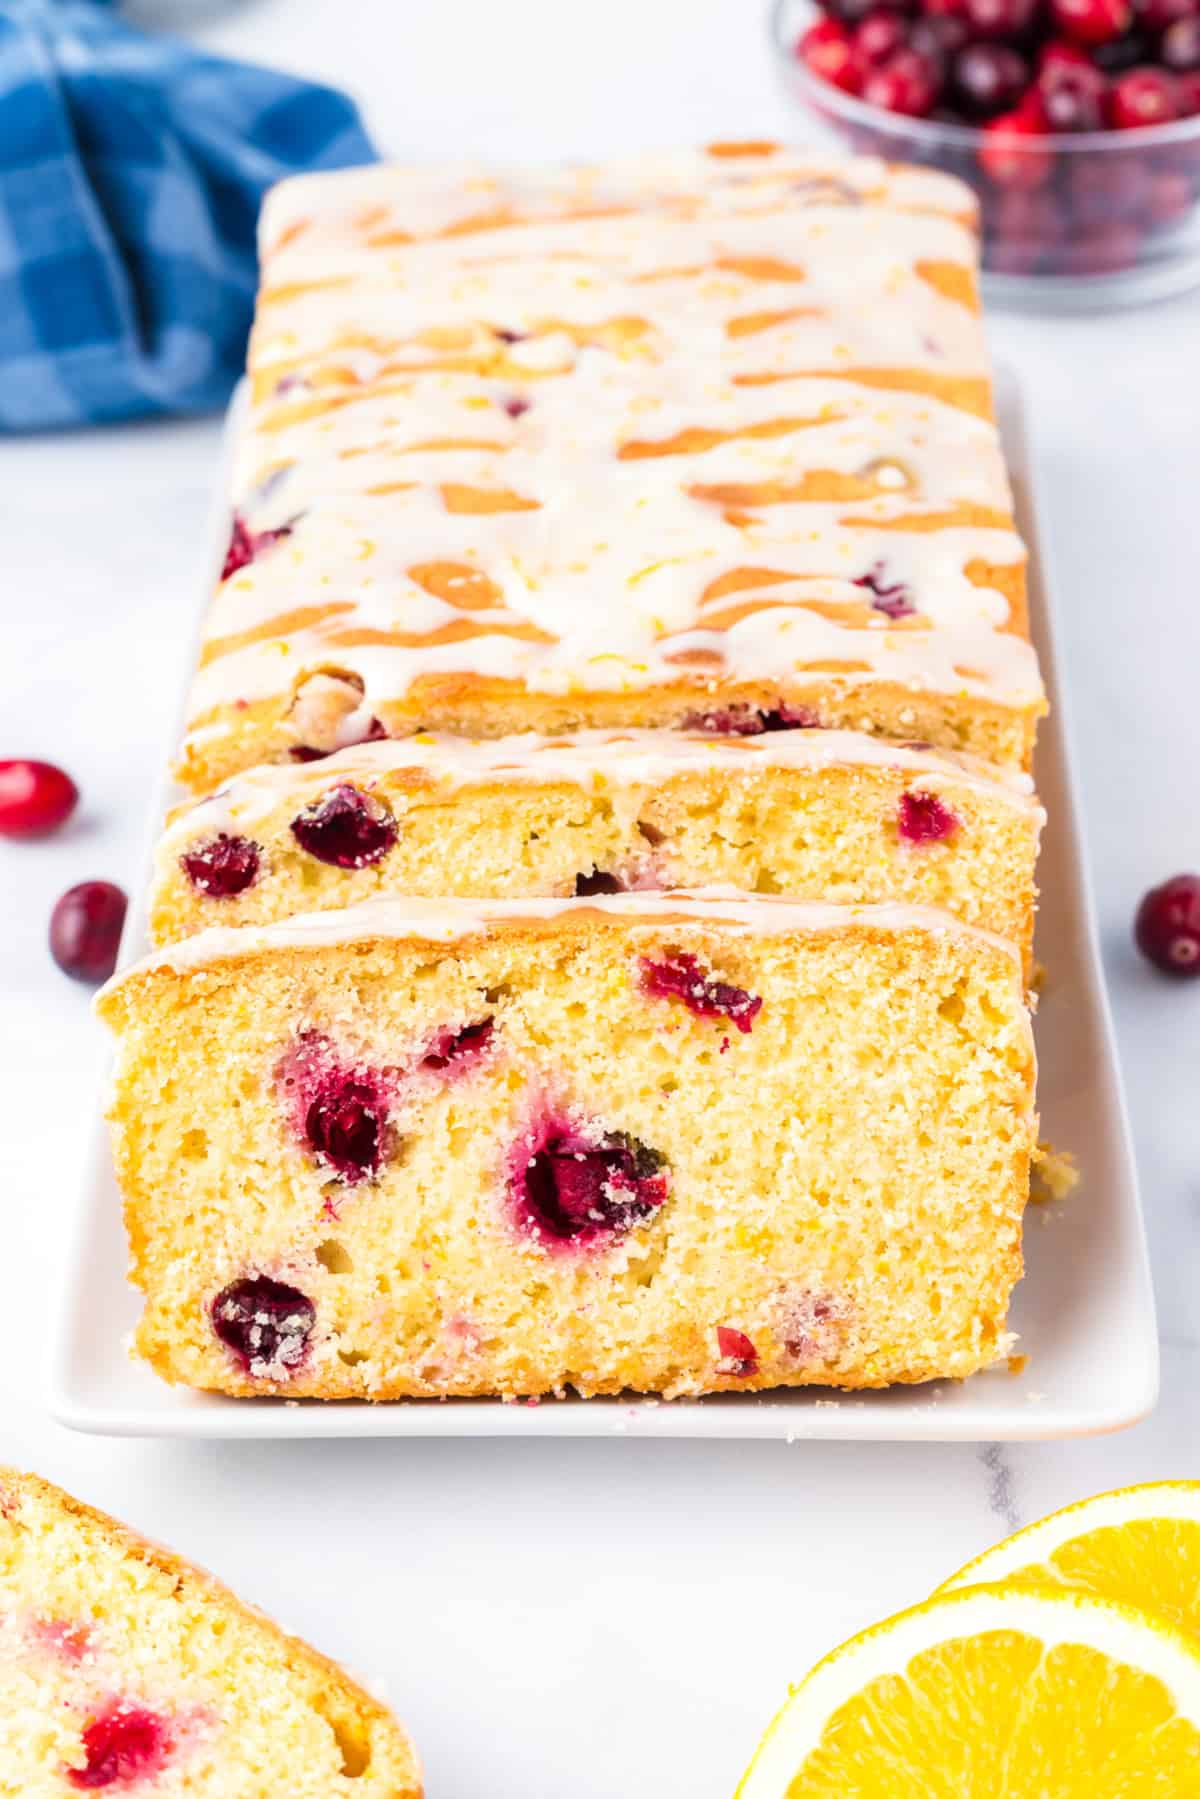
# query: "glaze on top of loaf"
[447,920]
[707,420]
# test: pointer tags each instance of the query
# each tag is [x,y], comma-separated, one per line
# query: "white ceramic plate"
[1084,1312]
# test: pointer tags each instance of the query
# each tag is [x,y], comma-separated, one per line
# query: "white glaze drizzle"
[445,921]
[611,563]
[593,760]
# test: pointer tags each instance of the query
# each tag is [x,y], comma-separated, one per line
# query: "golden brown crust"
[475,706]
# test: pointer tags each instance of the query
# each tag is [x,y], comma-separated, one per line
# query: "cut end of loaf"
[123,1667]
[598,1147]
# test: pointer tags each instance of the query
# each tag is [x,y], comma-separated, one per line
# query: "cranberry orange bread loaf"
[671,1144]
[700,441]
[124,1670]
[831,815]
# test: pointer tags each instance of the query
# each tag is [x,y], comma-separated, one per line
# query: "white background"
[594,1618]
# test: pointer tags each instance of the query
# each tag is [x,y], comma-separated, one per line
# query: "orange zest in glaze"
[964,516]
[762,268]
[750,324]
[458,630]
[301,618]
[953,280]
[457,497]
[970,393]
[814,486]
[458,584]
[295,290]
[696,438]
[737,580]
[750,146]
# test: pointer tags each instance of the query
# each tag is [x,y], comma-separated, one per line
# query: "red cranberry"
[573,1189]
[459,1046]
[1122,53]
[1180,47]
[879,36]
[681,977]
[338,1110]
[1167,927]
[999,18]
[517,406]
[1142,97]
[345,1125]
[223,867]
[265,1323]
[1073,98]
[597,882]
[737,1351]
[751,721]
[1059,54]
[85,930]
[853,12]
[35,798]
[1187,88]
[989,78]
[245,545]
[1008,156]
[1092,21]
[939,37]
[124,1744]
[1159,15]
[346,829]
[829,53]
[944,9]
[924,818]
[892,598]
[1169,200]
[1101,250]
[1107,187]
[1025,227]
[907,83]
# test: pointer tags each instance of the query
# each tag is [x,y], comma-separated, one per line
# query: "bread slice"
[812,814]
[126,1670]
[670,1143]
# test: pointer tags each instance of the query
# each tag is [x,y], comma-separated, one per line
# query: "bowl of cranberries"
[1076,122]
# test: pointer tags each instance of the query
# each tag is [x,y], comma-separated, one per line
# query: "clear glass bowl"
[1102,218]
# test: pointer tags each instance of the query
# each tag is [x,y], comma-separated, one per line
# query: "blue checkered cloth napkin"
[131,171]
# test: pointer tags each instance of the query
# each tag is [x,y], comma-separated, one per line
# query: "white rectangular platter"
[1084,1312]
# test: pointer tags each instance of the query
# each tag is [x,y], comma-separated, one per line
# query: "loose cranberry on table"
[1167,927]
[85,930]
[35,798]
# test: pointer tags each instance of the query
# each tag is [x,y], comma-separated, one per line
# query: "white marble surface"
[607,1617]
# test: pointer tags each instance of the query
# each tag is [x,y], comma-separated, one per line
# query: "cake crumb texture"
[816,815]
[671,1144]
[124,1669]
